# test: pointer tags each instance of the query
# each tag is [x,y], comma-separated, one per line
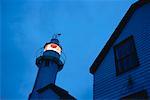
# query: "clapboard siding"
[109,86]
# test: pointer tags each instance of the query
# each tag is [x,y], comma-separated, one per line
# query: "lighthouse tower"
[49,64]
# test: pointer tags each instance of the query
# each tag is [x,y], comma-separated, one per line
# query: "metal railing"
[40,51]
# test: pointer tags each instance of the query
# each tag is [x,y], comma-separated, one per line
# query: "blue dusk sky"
[26,25]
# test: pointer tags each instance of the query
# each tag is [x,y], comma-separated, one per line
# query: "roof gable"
[63,94]
[116,34]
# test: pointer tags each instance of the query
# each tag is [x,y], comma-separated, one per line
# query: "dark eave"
[116,34]
[63,94]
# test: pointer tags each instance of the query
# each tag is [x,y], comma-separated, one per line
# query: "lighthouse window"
[53,47]
[125,55]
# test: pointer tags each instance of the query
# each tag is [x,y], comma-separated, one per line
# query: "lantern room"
[53,45]
[53,52]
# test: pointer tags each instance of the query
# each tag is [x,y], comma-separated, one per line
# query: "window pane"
[119,53]
[121,66]
[134,60]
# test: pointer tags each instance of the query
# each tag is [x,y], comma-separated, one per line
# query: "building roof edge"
[116,34]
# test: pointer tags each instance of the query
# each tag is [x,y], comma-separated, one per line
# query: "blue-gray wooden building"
[122,69]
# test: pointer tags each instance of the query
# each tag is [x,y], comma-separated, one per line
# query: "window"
[125,55]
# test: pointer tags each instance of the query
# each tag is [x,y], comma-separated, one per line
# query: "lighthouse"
[49,64]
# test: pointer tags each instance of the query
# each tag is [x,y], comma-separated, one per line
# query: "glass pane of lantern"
[54,47]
